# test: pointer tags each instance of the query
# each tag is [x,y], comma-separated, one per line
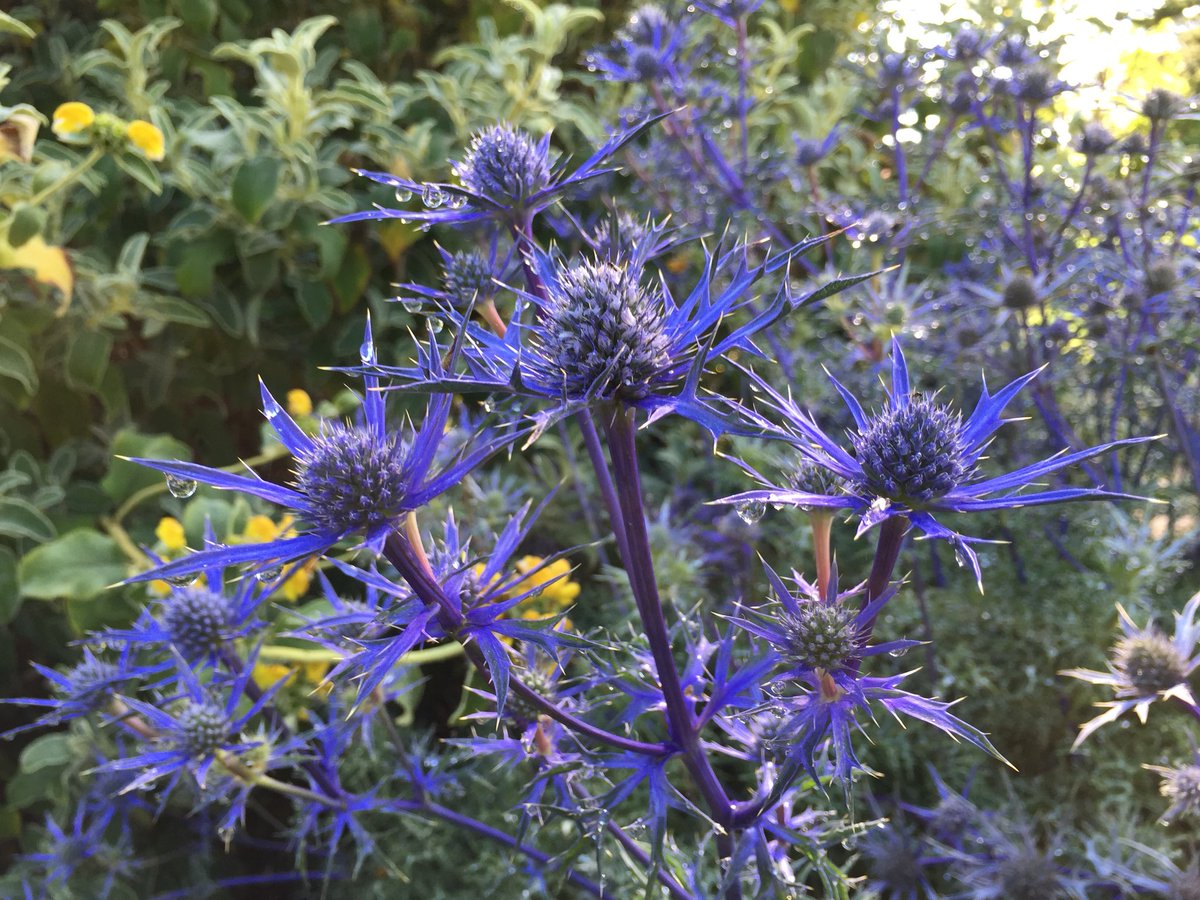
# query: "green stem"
[84,165]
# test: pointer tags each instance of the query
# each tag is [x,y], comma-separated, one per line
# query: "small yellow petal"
[299,403]
[72,117]
[147,138]
[170,534]
[297,585]
[260,529]
[267,675]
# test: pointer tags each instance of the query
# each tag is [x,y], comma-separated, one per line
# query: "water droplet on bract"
[180,580]
[488,405]
[432,196]
[750,511]
[268,575]
[456,201]
[436,325]
[411,306]
[366,352]
[403,195]
[898,652]
[181,488]
[960,558]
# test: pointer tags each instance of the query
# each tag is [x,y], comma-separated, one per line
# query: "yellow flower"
[72,117]
[260,529]
[160,588]
[299,403]
[170,534]
[560,594]
[297,584]
[147,138]
[314,673]
[267,675]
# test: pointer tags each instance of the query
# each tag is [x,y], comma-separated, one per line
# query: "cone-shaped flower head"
[349,479]
[914,457]
[1146,666]
[505,163]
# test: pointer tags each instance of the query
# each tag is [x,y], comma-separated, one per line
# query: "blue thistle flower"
[810,151]
[644,49]
[86,688]
[187,732]
[84,850]
[1146,666]
[820,643]
[349,480]
[506,175]
[600,334]
[916,458]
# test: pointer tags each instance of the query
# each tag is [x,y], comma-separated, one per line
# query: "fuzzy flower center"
[504,163]
[468,277]
[203,728]
[810,478]
[1150,663]
[821,635]
[1028,876]
[893,863]
[1182,787]
[603,331]
[914,454]
[354,480]
[196,619]
[91,680]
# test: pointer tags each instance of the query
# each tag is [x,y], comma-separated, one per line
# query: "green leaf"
[27,222]
[316,303]
[47,751]
[254,186]
[10,586]
[126,478]
[78,566]
[140,170]
[171,309]
[10,25]
[21,519]
[196,267]
[352,280]
[87,358]
[16,363]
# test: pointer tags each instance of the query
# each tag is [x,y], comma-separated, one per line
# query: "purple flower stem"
[681,719]
[437,811]
[887,552]
[743,105]
[414,571]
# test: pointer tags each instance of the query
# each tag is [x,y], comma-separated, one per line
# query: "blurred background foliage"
[141,298]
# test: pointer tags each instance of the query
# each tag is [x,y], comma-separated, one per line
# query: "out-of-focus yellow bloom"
[267,675]
[297,584]
[72,117]
[314,674]
[170,534]
[559,595]
[147,138]
[260,529]
[160,588]
[299,403]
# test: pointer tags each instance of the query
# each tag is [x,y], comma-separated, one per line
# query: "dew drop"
[269,575]
[436,325]
[456,201]
[403,195]
[750,511]
[432,196]
[411,306]
[180,580]
[181,488]
[898,652]
[366,352]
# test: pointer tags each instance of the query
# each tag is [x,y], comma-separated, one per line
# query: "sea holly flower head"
[349,479]
[819,643]
[1181,786]
[86,688]
[915,458]
[815,632]
[602,331]
[1146,666]
[506,175]
[644,49]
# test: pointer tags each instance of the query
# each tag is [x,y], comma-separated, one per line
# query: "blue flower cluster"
[579,318]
